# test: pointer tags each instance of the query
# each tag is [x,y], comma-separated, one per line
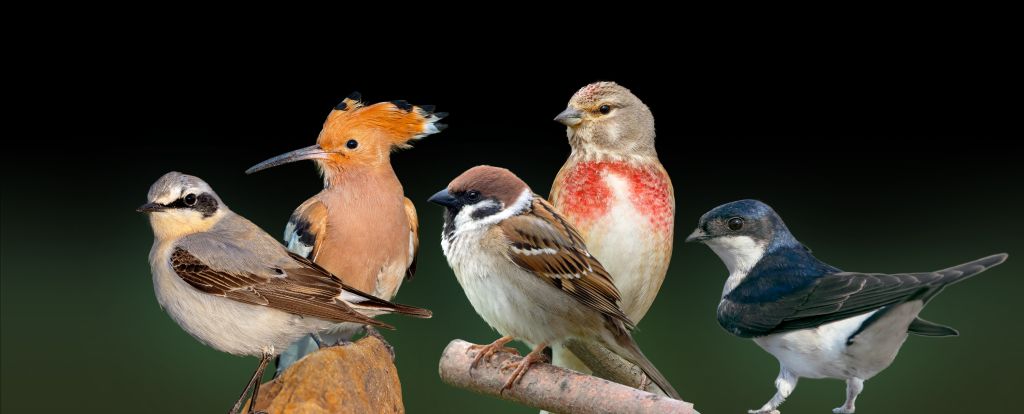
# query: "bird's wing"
[839,296]
[545,244]
[414,238]
[306,229]
[302,288]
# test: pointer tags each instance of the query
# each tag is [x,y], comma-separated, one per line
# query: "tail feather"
[966,270]
[927,328]
[372,306]
[627,348]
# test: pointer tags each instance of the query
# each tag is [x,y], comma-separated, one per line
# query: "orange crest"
[355,131]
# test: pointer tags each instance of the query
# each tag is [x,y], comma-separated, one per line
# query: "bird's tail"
[626,347]
[966,270]
[370,305]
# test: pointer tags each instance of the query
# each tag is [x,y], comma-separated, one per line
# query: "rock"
[354,378]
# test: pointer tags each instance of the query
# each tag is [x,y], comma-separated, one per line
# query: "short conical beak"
[150,208]
[570,117]
[698,235]
[444,198]
[308,153]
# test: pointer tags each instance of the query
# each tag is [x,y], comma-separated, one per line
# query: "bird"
[360,226]
[233,287]
[615,191]
[817,320]
[527,271]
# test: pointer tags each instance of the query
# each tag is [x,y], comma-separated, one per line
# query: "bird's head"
[481,196]
[180,204]
[356,135]
[604,117]
[741,231]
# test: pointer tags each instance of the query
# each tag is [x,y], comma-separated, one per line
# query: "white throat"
[740,254]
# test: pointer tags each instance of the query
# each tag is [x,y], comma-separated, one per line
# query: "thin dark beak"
[444,198]
[570,117]
[308,153]
[697,236]
[151,207]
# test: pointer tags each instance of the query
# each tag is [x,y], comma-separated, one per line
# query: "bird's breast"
[591,190]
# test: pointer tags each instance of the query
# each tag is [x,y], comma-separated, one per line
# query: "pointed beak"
[151,207]
[697,236]
[308,153]
[570,117]
[444,198]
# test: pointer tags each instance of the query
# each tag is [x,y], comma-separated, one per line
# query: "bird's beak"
[570,117]
[698,235]
[444,198]
[308,153]
[151,208]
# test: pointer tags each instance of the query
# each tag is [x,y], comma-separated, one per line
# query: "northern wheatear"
[233,287]
[360,227]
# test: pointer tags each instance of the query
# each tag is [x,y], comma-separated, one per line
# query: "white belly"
[515,302]
[631,250]
[221,323]
[823,352]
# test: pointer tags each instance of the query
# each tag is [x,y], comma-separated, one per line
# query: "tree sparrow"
[528,273]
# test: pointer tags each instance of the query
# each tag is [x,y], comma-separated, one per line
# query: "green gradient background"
[82,331]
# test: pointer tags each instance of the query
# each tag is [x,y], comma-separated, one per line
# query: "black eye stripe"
[204,203]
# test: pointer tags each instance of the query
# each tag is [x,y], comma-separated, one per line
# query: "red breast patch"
[587,196]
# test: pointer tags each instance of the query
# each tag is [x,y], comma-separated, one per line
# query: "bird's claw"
[371,331]
[764,411]
[843,410]
[521,367]
[487,352]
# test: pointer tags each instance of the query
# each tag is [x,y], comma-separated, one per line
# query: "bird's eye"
[604,109]
[190,200]
[473,196]
[352,144]
[735,223]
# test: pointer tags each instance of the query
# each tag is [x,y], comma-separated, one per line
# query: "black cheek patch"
[206,204]
[486,211]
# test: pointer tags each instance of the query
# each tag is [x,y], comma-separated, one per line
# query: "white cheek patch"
[739,253]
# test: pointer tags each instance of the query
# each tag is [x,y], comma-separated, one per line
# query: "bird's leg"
[485,351]
[371,331]
[536,355]
[853,388]
[254,384]
[317,339]
[784,384]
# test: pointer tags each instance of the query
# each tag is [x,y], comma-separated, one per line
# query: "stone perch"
[355,378]
[550,388]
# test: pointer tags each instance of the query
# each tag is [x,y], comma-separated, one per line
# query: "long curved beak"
[570,117]
[697,236]
[308,153]
[444,198]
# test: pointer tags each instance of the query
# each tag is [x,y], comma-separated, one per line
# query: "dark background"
[851,144]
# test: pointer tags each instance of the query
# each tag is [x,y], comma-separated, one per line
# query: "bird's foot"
[843,410]
[488,351]
[371,331]
[764,411]
[521,367]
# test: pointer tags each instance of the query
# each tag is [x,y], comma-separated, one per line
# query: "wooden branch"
[605,364]
[548,387]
